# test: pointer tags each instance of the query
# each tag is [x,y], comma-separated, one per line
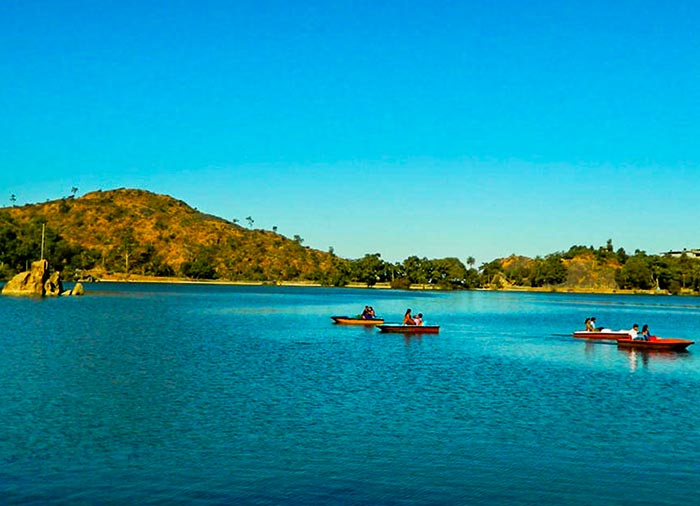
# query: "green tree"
[577,250]
[490,272]
[472,280]
[449,273]
[622,256]
[9,245]
[128,243]
[338,274]
[549,271]
[199,268]
[417,270]
[369,269]
[636,273]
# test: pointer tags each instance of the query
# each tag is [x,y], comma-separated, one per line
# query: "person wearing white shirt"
[634,331]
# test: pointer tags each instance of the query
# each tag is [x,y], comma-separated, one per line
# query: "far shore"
[135,278]
[153,279]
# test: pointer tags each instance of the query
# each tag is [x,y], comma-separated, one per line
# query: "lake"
[214,395]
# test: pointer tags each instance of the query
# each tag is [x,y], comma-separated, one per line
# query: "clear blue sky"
[429,128]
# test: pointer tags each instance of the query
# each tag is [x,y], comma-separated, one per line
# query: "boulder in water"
[78,289]
[53,285]
[29,282]
[35,281]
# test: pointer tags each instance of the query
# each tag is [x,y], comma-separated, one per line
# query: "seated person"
[408,319]
[591,325]
[645,335]
[418,320]
[634,332]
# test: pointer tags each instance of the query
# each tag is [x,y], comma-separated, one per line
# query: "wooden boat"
[409,329]
[655,344]
[354,320]
[602,335]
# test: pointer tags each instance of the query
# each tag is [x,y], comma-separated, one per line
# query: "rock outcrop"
[38,282]
[29,282]
[77,290]
[53,285]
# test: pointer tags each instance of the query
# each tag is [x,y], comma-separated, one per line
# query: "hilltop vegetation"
[585,268]
[136,232]
[129,232]
[139,232]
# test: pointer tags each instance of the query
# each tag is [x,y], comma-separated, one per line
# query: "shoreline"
[130,278]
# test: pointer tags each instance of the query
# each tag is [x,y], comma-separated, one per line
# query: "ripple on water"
[228,395]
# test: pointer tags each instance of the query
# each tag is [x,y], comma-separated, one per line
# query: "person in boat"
[634,332]
[418,320]
[372,314]
[645,335]
[407,318]
[589,325]
[367,313]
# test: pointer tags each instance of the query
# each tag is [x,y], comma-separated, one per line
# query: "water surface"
[211,395]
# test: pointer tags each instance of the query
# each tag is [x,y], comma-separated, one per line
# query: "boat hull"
[409,329]
[608,335]
[658,344]
[349,320]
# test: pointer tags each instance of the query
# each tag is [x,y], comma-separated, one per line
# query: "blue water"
[213,395]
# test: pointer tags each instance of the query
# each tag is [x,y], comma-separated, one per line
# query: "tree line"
[20,245]
[669,273]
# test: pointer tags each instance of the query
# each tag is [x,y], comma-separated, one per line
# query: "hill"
[140,232]
[579,269]
[130,232]
[586,271]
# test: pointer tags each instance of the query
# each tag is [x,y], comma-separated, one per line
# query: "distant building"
[690,253]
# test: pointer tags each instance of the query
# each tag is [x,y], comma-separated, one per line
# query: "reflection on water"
[412,339]
[637,358]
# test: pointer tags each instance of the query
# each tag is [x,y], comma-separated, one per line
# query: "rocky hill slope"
[139,232]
